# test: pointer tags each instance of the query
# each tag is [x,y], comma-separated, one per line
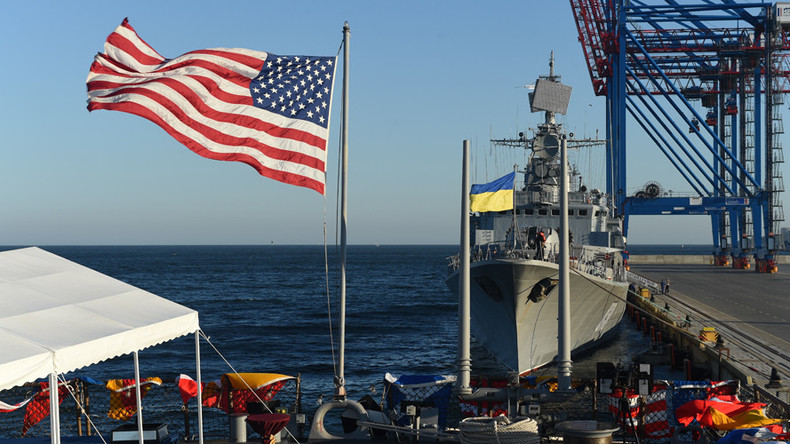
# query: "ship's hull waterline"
[514,309]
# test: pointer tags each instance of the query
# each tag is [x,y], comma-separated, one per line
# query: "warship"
[515,251]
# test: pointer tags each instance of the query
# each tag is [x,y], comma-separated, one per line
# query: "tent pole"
[54,409]
[139,399]
[199,387]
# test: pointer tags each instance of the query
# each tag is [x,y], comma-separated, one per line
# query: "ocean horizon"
[633,249]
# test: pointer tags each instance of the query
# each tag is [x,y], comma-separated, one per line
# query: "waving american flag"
[268,111]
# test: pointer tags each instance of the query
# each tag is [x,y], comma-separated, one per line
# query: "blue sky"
[424,77]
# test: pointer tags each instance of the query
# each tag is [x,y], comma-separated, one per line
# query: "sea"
[275,309]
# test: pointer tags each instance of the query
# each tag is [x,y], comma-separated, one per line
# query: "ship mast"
[550,114]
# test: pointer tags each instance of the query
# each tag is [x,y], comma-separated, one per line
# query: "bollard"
[775,381]
[238,427]
[586,432]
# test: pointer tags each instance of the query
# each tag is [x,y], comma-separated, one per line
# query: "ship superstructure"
[514,271]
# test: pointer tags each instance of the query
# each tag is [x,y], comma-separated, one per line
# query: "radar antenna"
[526,143]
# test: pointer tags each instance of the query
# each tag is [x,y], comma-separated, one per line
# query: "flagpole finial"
[346,27]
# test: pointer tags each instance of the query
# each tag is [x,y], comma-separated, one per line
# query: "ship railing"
[579,197]
[478,253]
[579,261]
[592,268]
[454,262]
[589,197]
[589,262]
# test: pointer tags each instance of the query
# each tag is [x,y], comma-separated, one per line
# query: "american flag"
[268,111]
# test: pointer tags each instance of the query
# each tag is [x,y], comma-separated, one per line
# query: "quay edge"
[702,342]
[635,259]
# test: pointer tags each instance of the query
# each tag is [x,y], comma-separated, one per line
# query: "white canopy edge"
[58,316]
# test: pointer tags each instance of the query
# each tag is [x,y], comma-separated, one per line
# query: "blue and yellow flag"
[493,196]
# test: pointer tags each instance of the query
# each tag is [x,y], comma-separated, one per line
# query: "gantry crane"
[662,62]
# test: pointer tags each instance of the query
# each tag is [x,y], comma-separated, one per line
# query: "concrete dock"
[749,310]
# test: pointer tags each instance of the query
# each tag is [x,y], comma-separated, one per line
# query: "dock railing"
[649,417]
[161,404]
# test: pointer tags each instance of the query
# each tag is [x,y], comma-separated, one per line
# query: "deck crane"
[658,61]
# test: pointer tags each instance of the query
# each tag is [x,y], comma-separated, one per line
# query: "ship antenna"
[550,114]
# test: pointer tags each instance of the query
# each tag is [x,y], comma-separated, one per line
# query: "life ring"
[317,431]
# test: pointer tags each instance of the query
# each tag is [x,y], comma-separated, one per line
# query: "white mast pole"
[340,389]
[515,222]
[464,305]
[564,312]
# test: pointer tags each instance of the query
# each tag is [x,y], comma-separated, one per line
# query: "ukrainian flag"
[493,196]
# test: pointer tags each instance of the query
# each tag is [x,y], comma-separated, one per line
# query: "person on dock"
[663,285]
[666,287]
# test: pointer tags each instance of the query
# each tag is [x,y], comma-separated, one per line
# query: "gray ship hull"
[516,321]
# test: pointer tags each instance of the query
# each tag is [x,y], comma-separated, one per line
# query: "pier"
[743,315]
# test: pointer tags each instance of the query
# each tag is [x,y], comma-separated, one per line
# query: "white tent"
[57,316]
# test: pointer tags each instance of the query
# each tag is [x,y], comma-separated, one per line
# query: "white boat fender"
[317,431]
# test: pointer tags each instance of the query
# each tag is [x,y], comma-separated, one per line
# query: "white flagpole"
[464,305]
[340,389]
[317,430]
[515,222]
[564,306]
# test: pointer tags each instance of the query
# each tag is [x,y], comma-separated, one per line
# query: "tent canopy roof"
[57,316]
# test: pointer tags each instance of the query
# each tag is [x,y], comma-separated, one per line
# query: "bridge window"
[542,211]
[583,213]
[555,212]
[529,211]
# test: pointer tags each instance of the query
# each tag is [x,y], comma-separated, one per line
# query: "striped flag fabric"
[123,396]
[771,434]
[493,196]
[5,407]
[268,111]
[38,408]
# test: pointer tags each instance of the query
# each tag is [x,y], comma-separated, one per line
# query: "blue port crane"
[661,62]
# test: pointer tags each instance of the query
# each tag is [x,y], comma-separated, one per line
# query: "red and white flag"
[188,389]
[268,111]
[5,407]
[38,408]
